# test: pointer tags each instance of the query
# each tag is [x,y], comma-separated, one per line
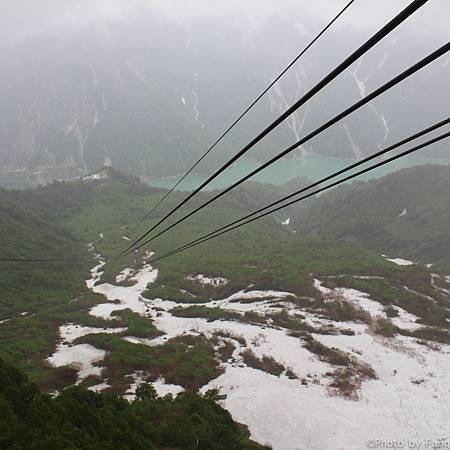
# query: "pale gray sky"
[25,17]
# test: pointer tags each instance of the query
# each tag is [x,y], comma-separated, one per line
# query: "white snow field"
[202,279]
[80,356]
[409,399]
[400,261]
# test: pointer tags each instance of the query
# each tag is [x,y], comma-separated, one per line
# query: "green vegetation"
[383,327]
[204,312]
[349,374]
[331,355]
[64,217]
[266,363]
[431,311]
[188,361]
[137,325]
[369,214]
[78,418]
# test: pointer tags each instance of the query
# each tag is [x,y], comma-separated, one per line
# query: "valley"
[268,371]
[225,225]
[280,331]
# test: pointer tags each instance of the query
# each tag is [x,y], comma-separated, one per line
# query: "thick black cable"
[329,177]
[260,96]
[396,80]
[383,32]
[361,172]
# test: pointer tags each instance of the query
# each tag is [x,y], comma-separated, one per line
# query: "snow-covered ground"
[400,261]
[163,388]
[204,280]
[288,415]
[96,176]
[408,400]
[81,356]
[99,387]
[363,301]
[129,297]
[124,275]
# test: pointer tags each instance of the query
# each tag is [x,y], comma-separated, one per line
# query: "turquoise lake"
[311,166]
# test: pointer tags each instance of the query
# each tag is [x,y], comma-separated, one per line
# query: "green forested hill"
[404,214]
[80,419]
[30,231]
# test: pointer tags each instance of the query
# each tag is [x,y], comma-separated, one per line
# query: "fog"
[24,18]
[133,81]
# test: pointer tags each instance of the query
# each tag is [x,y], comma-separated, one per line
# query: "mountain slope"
[311,320]
[403,214]
[144,95]
[78,418]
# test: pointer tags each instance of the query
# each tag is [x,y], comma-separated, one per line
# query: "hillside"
[30,230]
[78,418]
[403,214]
[311,319]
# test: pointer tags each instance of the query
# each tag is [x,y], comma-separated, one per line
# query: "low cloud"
[19,18]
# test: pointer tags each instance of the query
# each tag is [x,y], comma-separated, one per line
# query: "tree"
[146,391]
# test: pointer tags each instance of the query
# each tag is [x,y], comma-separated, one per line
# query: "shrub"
[78,418]
[229,335]
[330,355]
[266,363]
[382,326]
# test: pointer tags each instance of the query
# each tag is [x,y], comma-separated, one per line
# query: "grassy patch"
[137,325]
[266,363]
[431,312]
[347,380]
[188,360]
[203,312]
[382,326]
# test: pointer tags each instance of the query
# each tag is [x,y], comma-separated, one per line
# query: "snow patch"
[138,378]
[126,273]
[81,356]
[361,300]
[405,319]
[164,389]
[400,261]
[99,387]
[204,280]
[96,176]
[96,272]
[71,332]
[129,297]
[320,288]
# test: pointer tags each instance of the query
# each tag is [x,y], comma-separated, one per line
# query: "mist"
[25,18]
[148,84]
